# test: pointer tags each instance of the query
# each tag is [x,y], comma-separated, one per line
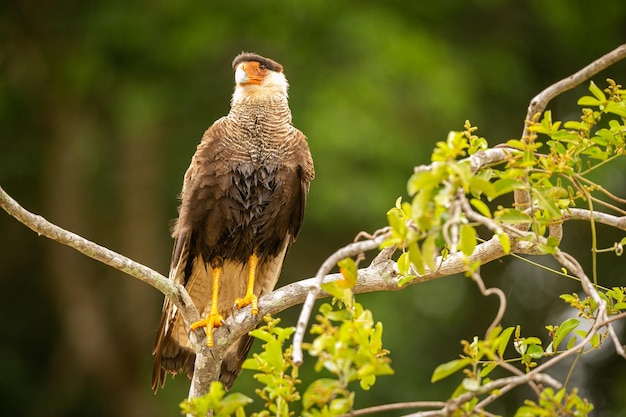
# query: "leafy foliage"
[348,347]
[451,199]
[217,402]
[556,404]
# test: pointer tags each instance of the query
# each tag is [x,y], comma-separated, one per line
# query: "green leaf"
[571,342]
[534,351]
[421,180]
[481,207]
[404,263]
[348,270]
[415,255]
[448,368]
[506,186]
[319,392]
[517,144]
[532,341]
[480,185]
[487,368]
[512,216]
[546,203]
[564,329]
[597,92]
[261,334]
[503,340]
[396,220]
[505,242]
[468,239]
[595,340]
[616,108]
[589,101]
[429,251]
[232,402]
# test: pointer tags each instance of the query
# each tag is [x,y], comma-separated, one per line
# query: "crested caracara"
[242,205]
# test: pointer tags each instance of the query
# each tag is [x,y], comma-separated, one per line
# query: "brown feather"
[245,188]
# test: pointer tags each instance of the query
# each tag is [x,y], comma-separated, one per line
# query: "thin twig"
[394,406]
[539,103]
[305,314]
[487,292]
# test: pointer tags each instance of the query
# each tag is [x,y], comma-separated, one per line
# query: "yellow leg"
[250,298]
[214,319]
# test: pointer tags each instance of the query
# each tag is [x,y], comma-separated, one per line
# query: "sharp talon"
[247,300]
[212,321]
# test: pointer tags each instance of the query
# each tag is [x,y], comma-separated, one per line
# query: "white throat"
[273,88]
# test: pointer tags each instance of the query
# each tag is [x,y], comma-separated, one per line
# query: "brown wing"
[172,349]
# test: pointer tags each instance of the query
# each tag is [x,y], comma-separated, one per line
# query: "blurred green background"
[103,103]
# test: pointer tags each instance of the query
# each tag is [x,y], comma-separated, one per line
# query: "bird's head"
[258,78]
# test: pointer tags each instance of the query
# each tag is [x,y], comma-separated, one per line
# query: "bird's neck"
[273,111]
[253,94]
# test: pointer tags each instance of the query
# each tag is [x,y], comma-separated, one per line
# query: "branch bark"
[42,227]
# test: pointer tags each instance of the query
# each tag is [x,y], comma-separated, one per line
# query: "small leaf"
[471,384]
[348,270]
[487,369]
[534,351]
[448,368]
[505,242]
[595,341]
[564,329]
[468,239]
[415,255]
[481,207]
[480,185]
[597,92]
[404,263]
[512,216]
[571,342]
[506,185]
[616,108]
[503,340]
[620,306]
[588,101]
[429,251]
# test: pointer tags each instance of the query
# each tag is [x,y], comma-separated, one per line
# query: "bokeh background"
[103,103]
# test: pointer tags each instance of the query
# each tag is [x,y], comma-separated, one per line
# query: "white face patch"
[240,75]
[274,85]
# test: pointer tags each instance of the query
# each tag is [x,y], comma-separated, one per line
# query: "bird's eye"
[261,66]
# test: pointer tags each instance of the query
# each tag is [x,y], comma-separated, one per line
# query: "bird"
[241,207]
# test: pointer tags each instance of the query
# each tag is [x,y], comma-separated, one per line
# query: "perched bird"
[242,205]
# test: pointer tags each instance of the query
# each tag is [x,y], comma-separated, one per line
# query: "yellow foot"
[247,300]
[212,321]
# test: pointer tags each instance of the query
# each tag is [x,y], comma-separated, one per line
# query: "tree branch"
[350,250]
[539,103]
[42,227]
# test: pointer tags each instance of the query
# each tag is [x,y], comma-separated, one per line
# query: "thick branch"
[42,227]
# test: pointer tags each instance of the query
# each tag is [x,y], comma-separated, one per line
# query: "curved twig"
[539,103]
[350,250]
